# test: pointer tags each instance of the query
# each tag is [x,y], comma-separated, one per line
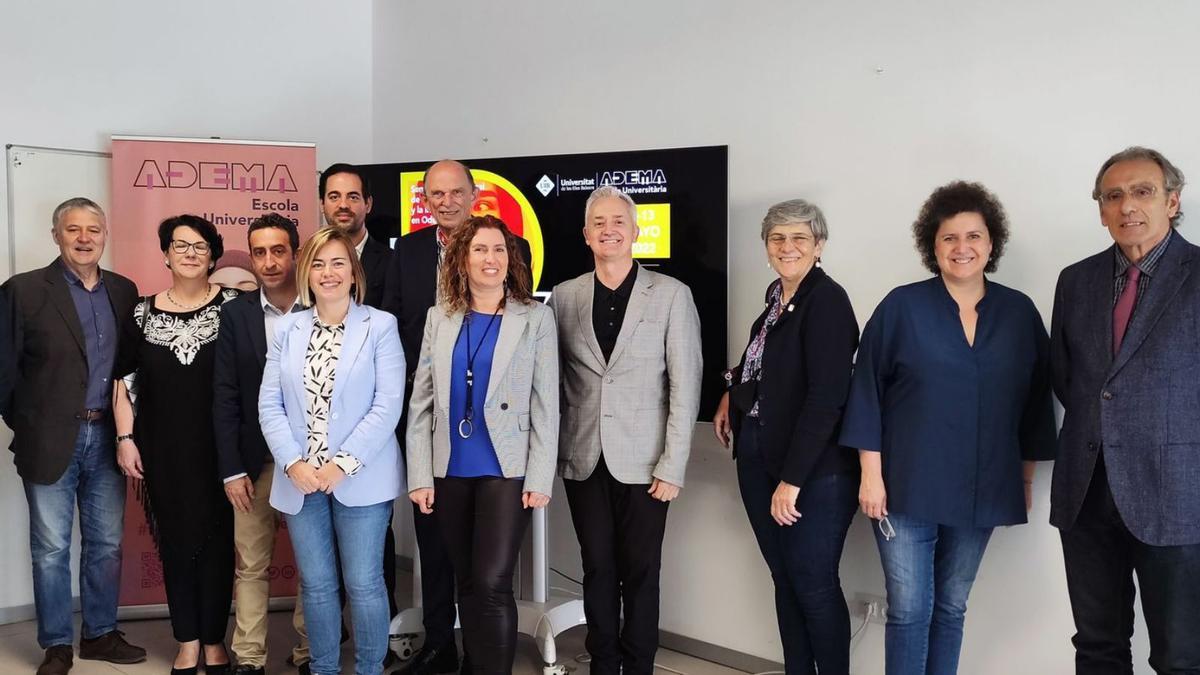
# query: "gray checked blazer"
[521,408]
[640,407]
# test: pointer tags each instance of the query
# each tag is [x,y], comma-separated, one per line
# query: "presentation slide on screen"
[683,215]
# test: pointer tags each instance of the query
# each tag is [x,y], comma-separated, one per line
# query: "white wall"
[864,107]
[75,73]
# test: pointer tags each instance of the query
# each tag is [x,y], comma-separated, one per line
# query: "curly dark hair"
[206,230]
[455,292]
[949,201]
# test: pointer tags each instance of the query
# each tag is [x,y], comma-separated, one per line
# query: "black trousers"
[1101,558]
[437,581]
[483,524]
[199,586]
[620,529]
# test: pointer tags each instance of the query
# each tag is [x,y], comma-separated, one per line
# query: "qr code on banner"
[152,572]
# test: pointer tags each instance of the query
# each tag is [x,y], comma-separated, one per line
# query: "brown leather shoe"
[111,647]
[58,661]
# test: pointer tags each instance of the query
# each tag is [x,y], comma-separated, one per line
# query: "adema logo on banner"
[215,176]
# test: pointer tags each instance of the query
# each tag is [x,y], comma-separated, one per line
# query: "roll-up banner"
[229,183]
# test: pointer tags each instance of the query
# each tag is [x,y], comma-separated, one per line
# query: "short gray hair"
[609,191]
[76,203]
[1173,180]
[796,212]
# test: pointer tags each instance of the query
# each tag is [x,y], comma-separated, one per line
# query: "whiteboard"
[40,179]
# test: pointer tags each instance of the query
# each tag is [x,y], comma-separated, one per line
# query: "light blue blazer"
[368,394]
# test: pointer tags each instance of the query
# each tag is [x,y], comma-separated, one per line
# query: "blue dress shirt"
[99,324]
[952,420]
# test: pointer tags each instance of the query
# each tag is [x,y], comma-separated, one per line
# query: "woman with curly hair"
[950,407]
[483,426]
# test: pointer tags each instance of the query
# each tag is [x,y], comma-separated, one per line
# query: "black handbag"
[743,395]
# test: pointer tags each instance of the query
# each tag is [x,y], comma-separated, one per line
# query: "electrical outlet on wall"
[872,606]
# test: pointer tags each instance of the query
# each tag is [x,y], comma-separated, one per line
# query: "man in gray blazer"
[1126,359]
[64,322]
[629,342]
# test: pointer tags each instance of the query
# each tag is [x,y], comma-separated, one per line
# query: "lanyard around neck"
[466,426]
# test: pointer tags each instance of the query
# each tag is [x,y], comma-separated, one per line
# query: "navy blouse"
[953,421]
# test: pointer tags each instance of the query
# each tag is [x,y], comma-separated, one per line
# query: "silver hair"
[795,212]
[1173,180]
[76,203]
[609,191]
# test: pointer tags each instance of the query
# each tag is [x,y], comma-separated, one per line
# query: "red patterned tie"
[1124,308]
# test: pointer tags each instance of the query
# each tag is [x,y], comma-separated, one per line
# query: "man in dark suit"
[247,324]
[449,193]
[346,201]
[64,320]
[1126,490]
[7,373]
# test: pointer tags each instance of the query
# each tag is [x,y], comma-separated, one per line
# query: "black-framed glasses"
[181,247]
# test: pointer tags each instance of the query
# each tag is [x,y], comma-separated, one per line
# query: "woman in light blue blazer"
[330,401]
[483,426]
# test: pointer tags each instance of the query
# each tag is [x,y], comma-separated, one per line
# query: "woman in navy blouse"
[483,426]
[783,411]
[950,406]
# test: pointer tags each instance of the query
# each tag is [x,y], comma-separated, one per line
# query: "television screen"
[683,214]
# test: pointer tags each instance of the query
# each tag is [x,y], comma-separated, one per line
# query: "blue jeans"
[929,570]
[94,481]
[322,530]
[814,623]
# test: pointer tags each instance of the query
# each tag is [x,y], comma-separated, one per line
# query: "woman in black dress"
[169,343]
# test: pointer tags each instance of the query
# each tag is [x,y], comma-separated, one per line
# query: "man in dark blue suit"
[1126,358]
[247,324]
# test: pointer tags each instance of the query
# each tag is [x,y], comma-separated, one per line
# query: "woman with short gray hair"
[783,412]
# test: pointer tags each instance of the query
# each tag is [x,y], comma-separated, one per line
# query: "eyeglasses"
[181,247]
[798,240]
[1140,193]
[886,529]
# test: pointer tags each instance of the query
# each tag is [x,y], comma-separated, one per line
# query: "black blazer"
[412,289]
[806,368]
[50,367]
[376,258]
[240,357]
[7,372]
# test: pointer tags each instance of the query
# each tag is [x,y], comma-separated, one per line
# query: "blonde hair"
[308,254]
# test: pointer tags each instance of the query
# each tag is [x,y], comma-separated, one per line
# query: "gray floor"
[19,652]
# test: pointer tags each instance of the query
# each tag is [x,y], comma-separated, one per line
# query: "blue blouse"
[953,421]
[475,456]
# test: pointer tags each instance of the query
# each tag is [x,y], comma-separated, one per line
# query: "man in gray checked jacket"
[629,342]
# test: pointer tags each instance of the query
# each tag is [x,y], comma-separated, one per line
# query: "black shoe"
[431,661]
[58,661]
[111,647]
[247,669]
[218,668]
[191,670]
[304,669]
